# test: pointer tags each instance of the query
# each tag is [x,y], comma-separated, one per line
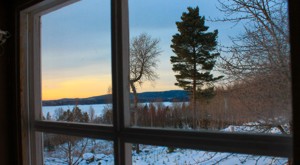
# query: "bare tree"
[73,147]
[264,45]
[260,57]
[91,114]
[143,62]
[144,51]
[58,112]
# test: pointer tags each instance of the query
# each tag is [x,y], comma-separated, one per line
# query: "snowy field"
[159,156]
[98,152]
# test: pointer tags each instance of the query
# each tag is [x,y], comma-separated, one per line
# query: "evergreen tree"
[195,57]
[48,117]
[76,115]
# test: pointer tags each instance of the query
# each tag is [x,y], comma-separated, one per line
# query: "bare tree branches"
[264,46]
[258,61]
[143,58]
[144,51]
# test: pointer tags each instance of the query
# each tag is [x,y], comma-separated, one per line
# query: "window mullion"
[36,88]
[258,144]
[120,65]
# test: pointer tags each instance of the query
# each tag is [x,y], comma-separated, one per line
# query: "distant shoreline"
[160,96]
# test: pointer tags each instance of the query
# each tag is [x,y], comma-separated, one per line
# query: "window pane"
[193,65]
[76,62]
[63,149]
[172,156]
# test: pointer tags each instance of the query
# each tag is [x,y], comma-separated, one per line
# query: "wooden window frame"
[120,133]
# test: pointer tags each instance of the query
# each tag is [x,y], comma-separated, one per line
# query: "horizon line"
[108,94]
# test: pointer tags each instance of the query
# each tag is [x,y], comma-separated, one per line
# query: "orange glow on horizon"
[89,87]
[78,87]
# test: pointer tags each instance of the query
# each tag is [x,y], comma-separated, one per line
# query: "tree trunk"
[135,102]
[194,91]
[69,153]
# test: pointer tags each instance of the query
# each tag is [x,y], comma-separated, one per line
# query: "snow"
[99,108]
[160,156]
[96,152]
[157,155]
[88,156]
[254,127]
[101,151]
[99,156]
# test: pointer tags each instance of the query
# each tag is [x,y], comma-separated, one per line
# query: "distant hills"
[163,96]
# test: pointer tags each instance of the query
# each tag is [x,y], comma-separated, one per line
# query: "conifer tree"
[195,57]
[48,117]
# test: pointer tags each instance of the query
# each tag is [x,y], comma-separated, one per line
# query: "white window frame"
[120,133]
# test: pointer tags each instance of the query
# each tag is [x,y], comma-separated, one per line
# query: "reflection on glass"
[63,149]
[193,68]
[76,63]
[173,156]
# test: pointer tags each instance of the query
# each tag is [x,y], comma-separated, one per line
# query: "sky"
[76,43]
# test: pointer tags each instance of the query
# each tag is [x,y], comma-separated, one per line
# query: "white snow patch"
[88,156]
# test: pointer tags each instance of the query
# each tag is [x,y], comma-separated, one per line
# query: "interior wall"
[294,13]
[5,87]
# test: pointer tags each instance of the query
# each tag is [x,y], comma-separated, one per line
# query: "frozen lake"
[99,108]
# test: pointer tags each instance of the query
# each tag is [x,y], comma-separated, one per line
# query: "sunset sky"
[76,44]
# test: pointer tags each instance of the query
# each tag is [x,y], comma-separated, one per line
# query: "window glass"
[63,149]
[76,63]
[242,83]
[210,65]
[150,154]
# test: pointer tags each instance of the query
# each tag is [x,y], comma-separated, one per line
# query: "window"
[173,155]
[70,69]
[248,92]
[122,135]
[63,149]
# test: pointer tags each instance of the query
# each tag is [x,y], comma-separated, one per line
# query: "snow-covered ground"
[152,155]
[254,127]
[99,152]
[157,155]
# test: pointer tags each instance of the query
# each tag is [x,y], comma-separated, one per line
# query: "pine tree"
[76,115]
[48,117]
[196,55]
